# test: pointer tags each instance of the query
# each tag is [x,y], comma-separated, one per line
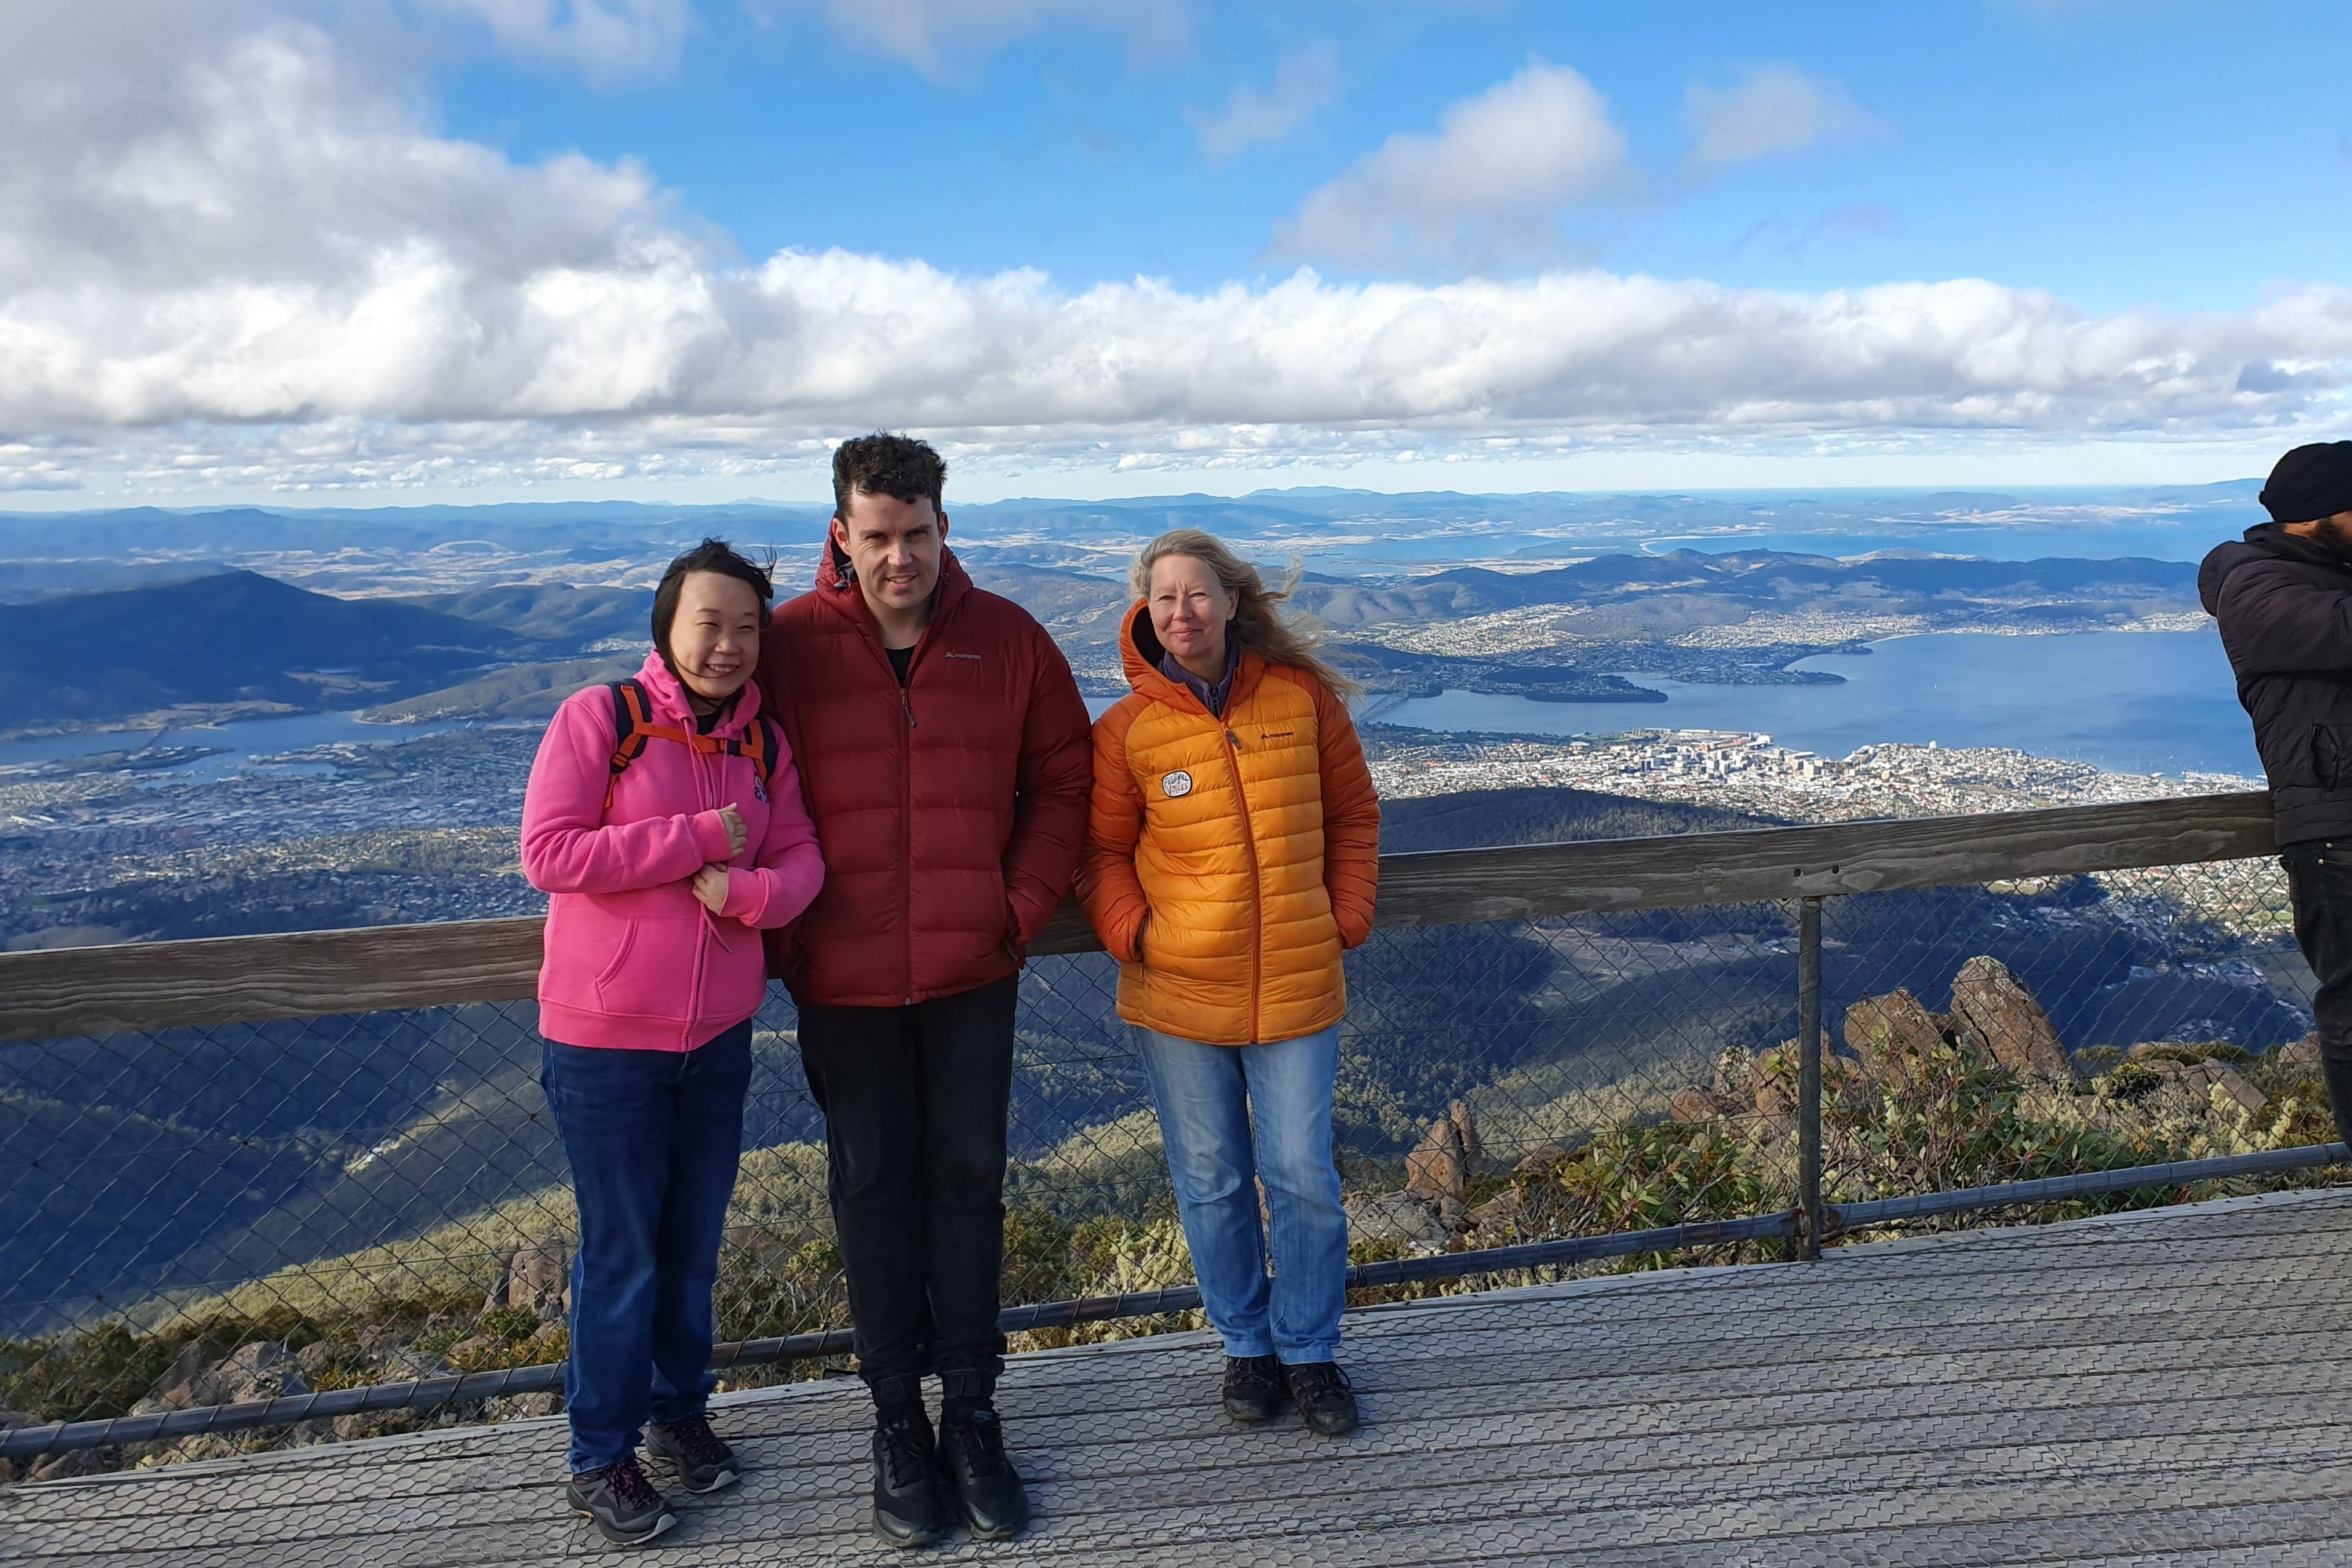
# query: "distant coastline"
[2129,703]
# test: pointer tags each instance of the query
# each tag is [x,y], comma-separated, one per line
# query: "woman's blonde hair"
[1258,623]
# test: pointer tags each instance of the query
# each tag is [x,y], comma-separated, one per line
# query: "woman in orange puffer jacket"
[1232,855]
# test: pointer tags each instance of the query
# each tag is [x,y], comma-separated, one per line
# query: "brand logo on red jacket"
[1176,785]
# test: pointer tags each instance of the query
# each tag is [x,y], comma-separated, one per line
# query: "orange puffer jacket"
[1251,843]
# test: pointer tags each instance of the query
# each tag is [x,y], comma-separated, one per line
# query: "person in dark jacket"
[2283,599]
[944,755]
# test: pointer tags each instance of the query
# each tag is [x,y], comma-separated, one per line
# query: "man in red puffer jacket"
[944,756]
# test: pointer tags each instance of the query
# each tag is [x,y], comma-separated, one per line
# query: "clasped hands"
[710,882]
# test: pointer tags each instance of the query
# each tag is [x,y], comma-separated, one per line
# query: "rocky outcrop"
[1407,1216]
[1735,1074]
[74,1462]
[1542,1163]
[263,1369]
[1695,1104]
[1430,1208]
[1993,1010]
[1440,1164]
[2206,1079]
[1497,1213]
[1892,1036]
[1773,1094]
[539,1279]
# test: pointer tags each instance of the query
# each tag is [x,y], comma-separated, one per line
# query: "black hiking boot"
[1252,1389]
[621,1501]
[1325,1400]
[971,1451]
[909,1510]
[704,1463]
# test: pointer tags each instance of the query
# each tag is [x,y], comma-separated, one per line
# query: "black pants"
[915,1100]
[2319,882]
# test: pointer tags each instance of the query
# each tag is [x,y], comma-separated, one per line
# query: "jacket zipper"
[1257,888]
[706,927]
[906,830]
[905,773]
[907,794]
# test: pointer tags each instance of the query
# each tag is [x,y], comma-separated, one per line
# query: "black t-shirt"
[901,658]
[706,722]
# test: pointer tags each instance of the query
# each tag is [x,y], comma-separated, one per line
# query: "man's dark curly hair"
[884,464]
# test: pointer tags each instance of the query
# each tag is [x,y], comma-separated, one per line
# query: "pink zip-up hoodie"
[634,961]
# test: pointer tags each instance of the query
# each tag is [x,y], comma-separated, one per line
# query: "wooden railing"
[218,980]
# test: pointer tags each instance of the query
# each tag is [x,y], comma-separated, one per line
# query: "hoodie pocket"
[2331,755]
[652,975]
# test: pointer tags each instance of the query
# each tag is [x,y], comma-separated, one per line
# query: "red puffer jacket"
[951,813]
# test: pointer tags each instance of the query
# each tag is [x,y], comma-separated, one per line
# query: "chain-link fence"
[2006,1033]
[196,1217]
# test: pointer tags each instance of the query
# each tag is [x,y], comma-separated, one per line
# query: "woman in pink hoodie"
[663,821]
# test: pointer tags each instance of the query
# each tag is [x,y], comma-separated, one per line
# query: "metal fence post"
[1809,1078]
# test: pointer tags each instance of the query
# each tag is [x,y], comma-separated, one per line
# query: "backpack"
[632,726]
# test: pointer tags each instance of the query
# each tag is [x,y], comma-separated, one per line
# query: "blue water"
[241,742]
[2140,702]
[2129,701]
[2148,539]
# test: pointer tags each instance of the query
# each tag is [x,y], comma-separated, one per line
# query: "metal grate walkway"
[2173,1386]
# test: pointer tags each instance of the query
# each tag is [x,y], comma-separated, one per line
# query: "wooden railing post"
[1809,1078]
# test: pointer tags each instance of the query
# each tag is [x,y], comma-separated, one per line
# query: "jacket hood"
[667,695]
[838,584]
[1140,653]
[2264,541]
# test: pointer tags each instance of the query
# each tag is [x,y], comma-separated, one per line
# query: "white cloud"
[941,38]
[1496,176]
[605,40]
[1306,80]
[239,260]
[1774,109]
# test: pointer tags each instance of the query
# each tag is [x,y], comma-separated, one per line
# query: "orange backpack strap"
[760,744]
[632,724]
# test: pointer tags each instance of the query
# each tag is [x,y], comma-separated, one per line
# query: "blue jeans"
[1205,1096]
[653,1138]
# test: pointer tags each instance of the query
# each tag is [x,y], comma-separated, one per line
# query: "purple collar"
[1212,697]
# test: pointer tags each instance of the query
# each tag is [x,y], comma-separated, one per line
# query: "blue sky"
[449,249]
[2117,153]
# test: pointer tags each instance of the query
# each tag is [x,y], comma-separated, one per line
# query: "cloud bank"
[941,38]
[603,40]
[1774,109]
[246,261]
[1495,177]
[1306,80]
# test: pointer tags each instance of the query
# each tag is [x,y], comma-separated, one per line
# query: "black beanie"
[2310,482]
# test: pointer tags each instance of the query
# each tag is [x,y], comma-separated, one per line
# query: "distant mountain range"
[444,546]
[234,639]
[556,614]
[512,650]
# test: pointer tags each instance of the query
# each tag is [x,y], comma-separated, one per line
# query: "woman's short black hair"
[710,555]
